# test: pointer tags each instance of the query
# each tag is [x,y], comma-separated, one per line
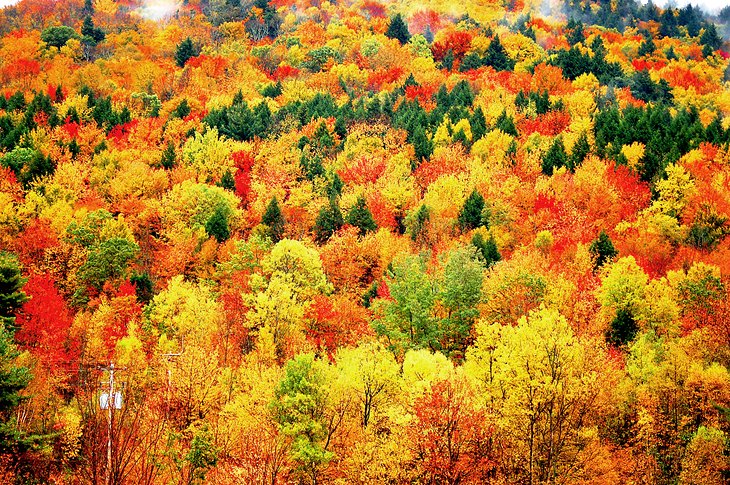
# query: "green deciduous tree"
[298,407]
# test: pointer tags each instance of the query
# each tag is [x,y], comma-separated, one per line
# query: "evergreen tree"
[217,226]
[506,124]
[12,296]
[488,249]
[422,146]
[227,181]
[478,124]
[603,250]
[397,29]
[167,161]
[417,223]
[710,38]
[182,110]
[361,217]
[328,221]
[470,216]
[555,157]
[184,51]
[647,48]
[496,56]
[274,220]
[448,61]
[623,328]
[581,149]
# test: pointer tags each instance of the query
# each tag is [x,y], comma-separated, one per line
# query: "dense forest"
[352,242]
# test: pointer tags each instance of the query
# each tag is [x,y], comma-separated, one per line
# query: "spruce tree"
[184,51]
[580,151]
[417,223]
[398,29]
[274,220]
[328,221]
[555,157]
[361,217]
[602,249]
[496,56]
[217,226]
[488,249]
[470,216]
[167,161]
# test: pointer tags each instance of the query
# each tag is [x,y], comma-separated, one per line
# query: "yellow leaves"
[191,205]
[674,191]
[298,266]
[622,285]
[421,368]
[523,50]
[587,82]
[208,155]
[633,153]
[492,147]
[186,313]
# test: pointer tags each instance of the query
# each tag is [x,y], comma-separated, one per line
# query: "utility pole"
[113,401]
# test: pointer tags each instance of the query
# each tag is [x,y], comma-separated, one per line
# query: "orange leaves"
[551,123]
[335,322]
[633,193]
[382,77]
[458,41]
[452,438]
[364,169]
[549,78]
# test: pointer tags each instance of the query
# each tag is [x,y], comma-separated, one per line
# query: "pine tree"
[274,220]
[555,157]
[478,124]
[422,146]
[602,249]
[417,223]
[361,217]
[496,56]
[12,296]
[182,110]
[328,221]
[581,149]
[167,161]
[470,216]
[488,249]
[397,29]
[506,124]
[217,226]
[184,51]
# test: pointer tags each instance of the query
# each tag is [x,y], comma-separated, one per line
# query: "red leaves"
[21,68]
[243,161]
[120,133]
[451,437]
[374,9]
[44,323]
[634,194]
[31,244]
[378,79]
[336,322]
[459,42]
[284,71]
[365,169]
[551,123]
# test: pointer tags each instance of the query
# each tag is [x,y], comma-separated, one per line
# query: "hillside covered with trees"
[353,242]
